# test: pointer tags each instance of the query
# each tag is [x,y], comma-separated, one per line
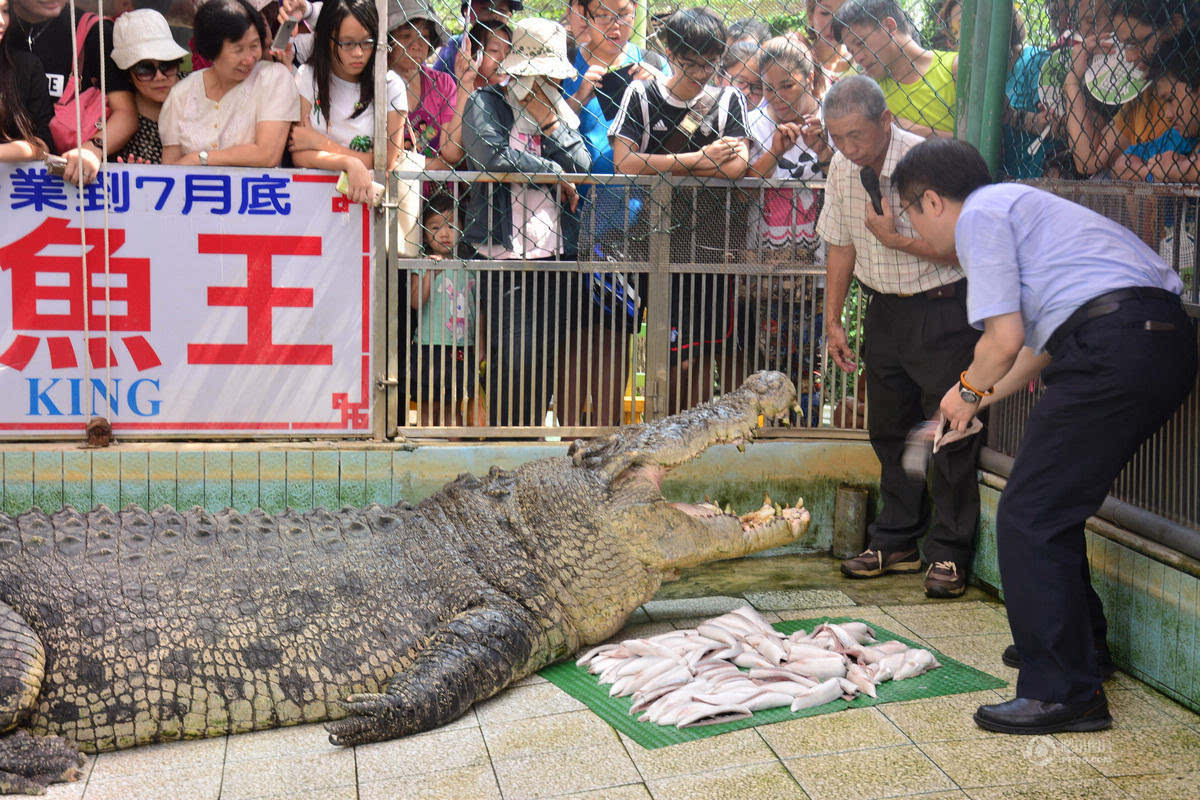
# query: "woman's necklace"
[30,35]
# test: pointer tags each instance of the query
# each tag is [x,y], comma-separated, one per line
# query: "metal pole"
[991,119]
[382,311]
[982,72]
[962,89]
[658,302]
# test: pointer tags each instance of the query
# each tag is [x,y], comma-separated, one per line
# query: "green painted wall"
[1153,611]
[274,478]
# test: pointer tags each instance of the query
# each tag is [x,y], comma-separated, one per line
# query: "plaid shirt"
[843,222]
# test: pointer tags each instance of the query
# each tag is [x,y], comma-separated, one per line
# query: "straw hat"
[539,47]
[143,35]
[400,12]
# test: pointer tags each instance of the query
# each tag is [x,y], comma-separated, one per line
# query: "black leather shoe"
[1026,716]
[1012,658]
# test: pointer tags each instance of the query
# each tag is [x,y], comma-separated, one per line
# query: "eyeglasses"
[605,19]
[914,202]
[146,70]
[696,67]
[747,86]
[350,47]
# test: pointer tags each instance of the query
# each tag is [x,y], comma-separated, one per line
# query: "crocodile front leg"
[470,658]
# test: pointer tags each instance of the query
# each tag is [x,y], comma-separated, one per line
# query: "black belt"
[936,293]
[1102,306]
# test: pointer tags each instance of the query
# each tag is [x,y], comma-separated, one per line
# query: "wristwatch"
[203,156]
[969,393]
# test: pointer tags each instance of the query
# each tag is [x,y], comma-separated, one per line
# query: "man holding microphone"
[1066,292]
[917,340]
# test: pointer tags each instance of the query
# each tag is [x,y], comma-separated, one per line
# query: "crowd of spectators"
[1116,94]
[1110,96]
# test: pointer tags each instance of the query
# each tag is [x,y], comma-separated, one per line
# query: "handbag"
[408,231]
[90,101]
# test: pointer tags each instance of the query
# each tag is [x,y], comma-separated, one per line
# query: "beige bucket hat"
[143,35]
[539,47]
[401,12]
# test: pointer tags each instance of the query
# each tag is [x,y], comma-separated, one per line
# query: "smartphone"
[55,165]
[286,31]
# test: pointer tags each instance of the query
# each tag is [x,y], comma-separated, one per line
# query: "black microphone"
[870,182]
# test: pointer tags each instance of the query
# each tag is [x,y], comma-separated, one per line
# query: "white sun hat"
[539,47]
[143,35]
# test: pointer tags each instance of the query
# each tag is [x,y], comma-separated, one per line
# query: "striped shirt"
[843,222]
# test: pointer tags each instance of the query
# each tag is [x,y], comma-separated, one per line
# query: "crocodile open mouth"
[769,513]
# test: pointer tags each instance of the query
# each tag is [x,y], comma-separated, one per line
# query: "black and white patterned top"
[144,144]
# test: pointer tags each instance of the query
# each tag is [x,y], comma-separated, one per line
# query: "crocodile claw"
[29,763]
[371,715]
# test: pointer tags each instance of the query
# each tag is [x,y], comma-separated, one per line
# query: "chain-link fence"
[602,211]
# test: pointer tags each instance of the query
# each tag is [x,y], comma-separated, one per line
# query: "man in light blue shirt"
[1060,290]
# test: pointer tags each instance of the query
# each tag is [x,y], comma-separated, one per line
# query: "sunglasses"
[146,70]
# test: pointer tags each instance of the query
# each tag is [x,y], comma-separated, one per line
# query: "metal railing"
[599,340]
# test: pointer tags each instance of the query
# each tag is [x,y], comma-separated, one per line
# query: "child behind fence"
[443,302]
[787,143]
[1169,226]
[681,125]
[1175,80]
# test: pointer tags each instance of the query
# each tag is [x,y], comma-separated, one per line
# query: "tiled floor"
[534,741]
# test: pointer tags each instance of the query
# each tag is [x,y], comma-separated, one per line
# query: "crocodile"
[126,628]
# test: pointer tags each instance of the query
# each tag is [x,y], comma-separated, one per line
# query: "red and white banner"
[232,301]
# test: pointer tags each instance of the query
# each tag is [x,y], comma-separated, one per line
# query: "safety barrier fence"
[650,316]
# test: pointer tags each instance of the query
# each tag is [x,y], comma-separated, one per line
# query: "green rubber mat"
[953,677]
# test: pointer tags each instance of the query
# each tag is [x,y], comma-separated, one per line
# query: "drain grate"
[953,677]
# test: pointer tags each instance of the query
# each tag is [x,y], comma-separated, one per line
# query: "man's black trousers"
[914,349]
[1111,384]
